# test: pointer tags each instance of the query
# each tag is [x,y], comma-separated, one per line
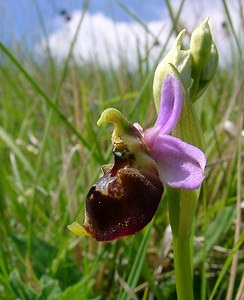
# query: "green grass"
[51,154]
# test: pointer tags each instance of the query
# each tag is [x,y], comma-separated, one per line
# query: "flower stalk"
[182,208]
[183,202]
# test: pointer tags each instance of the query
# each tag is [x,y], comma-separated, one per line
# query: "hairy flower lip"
[110,211]
[125,199]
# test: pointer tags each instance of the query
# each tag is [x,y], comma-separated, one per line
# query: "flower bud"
[181,59]
[207,73]
[211,64]
[200,47]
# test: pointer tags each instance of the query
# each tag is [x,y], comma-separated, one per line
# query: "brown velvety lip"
[122,204]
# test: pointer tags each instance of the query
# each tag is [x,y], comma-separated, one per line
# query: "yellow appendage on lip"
[77,229]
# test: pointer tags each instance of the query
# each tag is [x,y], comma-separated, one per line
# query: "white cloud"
[100,39]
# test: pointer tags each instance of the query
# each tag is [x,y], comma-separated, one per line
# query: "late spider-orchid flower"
[125,199]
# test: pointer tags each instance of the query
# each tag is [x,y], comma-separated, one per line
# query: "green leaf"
[78,291]
[216,229]
[50,289]
[138,263]
[20,288]
[227,264]
[6,138]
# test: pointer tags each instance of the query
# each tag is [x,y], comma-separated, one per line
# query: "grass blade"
[50,103]
[227,265]
[12,146]
[138,263]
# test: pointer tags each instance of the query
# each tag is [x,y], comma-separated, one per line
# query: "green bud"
[200,47]
[181,59]
[211,64]
[207,73]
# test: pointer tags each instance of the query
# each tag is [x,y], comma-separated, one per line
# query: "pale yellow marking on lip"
[77,229]
[119,180]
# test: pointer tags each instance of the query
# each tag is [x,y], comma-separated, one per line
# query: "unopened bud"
[211,64]
[181,59]
[207,73]
[200,47]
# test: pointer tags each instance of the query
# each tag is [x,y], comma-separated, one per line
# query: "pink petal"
[180,165]
[170,104]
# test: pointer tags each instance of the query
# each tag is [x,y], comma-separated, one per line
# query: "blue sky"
[20,19]
[99,36]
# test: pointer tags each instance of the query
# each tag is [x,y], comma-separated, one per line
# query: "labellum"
[124,200]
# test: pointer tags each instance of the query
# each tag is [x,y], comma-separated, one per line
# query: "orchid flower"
[125,199]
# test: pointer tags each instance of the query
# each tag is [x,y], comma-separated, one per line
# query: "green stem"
[183,268]
[182,207]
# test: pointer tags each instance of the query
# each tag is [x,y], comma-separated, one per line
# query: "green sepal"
[181,59]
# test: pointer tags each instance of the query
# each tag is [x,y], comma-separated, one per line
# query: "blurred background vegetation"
[51,154]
